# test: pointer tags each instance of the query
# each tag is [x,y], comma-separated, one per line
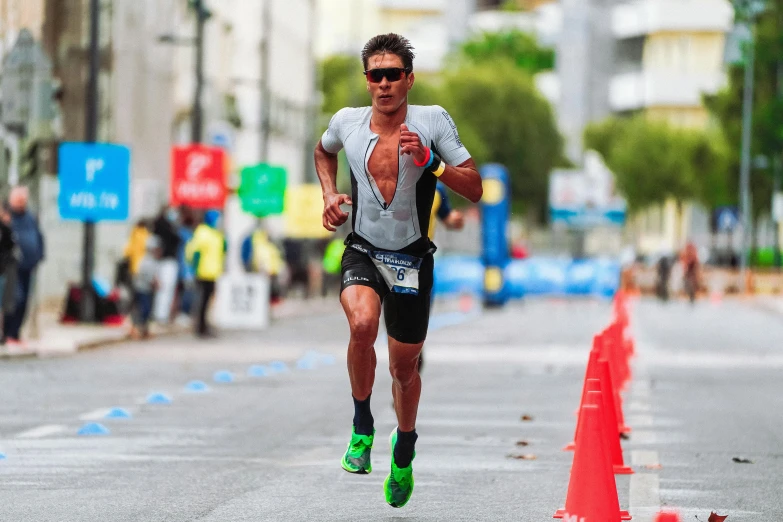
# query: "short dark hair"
[390,43]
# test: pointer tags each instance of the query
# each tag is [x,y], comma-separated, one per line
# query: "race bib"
[400,271]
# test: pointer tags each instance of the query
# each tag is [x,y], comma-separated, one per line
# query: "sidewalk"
[58,339]
[772,303]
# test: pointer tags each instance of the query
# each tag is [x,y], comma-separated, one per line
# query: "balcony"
[642,89]
[641,17]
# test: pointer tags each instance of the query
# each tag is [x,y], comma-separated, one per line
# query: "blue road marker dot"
[224,376]
[93,428]
[278,366]
[305,363]
[327,359]
[196,387]
[118,413]
[2,456]
[257,370]
[158,398]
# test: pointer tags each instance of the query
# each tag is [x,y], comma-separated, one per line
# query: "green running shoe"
[398,486]
[357,456]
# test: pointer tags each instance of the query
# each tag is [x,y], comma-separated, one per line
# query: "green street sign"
[262,189]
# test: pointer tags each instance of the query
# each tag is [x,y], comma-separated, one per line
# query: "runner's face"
[388,96]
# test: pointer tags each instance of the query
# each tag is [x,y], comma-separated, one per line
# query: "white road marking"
[41,431]
[95,414]
[642,421]
[645,497]
[645,458]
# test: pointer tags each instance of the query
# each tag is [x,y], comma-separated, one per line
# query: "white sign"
[242,302]
[777,207]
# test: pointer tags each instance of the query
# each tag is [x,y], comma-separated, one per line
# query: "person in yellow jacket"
[136,248]
[261,255]
[206,253]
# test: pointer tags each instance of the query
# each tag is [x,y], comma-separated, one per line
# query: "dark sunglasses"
[393,74]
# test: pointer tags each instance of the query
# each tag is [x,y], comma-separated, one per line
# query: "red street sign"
[198,177]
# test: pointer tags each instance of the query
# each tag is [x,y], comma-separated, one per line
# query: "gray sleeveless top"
[402,224]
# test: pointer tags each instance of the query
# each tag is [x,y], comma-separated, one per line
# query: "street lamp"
[197,113]
[749,10]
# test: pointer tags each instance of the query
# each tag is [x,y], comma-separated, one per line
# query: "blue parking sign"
[94,182]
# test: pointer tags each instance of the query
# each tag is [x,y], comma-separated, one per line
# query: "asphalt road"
[707,388]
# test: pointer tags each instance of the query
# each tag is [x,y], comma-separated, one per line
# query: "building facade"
[258,100]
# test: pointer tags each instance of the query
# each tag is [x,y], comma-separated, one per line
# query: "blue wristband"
[429,163]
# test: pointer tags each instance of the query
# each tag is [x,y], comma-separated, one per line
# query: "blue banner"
[495,211]
[560,277]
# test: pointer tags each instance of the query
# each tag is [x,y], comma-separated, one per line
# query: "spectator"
[261,255]
[206,253]
[31,252]
[145,284]
[137,245]
[185,277]
[7,262]
[165,228]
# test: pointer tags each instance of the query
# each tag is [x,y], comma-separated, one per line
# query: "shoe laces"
[359,442]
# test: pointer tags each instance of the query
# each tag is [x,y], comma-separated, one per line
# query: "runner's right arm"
[326,168]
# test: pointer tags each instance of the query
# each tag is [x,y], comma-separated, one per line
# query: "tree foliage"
[521,49]
[654,161]
[726,106]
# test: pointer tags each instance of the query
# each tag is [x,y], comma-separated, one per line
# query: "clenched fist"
[333,215]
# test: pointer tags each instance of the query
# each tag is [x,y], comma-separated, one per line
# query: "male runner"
[396,154]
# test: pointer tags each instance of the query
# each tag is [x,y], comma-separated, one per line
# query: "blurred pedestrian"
[136,247]
[691,271]
[332,264]
[663,273]
[186,277]
[206,253]
[165,228]
[261,255]
[145,284]
[8,266]
[31,252]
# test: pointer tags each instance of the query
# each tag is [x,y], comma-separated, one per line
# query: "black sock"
[403,450]
[362,416]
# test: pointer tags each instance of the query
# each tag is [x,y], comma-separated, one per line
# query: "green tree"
[502,118]
[521,49]
[653,161]
[726,106]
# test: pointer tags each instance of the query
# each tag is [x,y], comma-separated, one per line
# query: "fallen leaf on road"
[528,456]
[527,417]
[653,466]
[740,460]
[714,517]
[522,443]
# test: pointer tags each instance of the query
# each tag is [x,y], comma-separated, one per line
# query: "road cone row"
[598,456]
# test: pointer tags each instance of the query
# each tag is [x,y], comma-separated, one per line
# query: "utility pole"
[778,163]
[265,92]
[747,123]
[197,114]
[90,136]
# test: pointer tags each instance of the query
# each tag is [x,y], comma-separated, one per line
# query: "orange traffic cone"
[592,492]
[591,384]
[592,369]
[610,421]
[607,354]
[667,516]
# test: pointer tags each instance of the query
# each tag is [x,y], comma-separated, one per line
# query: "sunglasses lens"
[376,75]
[392,74]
